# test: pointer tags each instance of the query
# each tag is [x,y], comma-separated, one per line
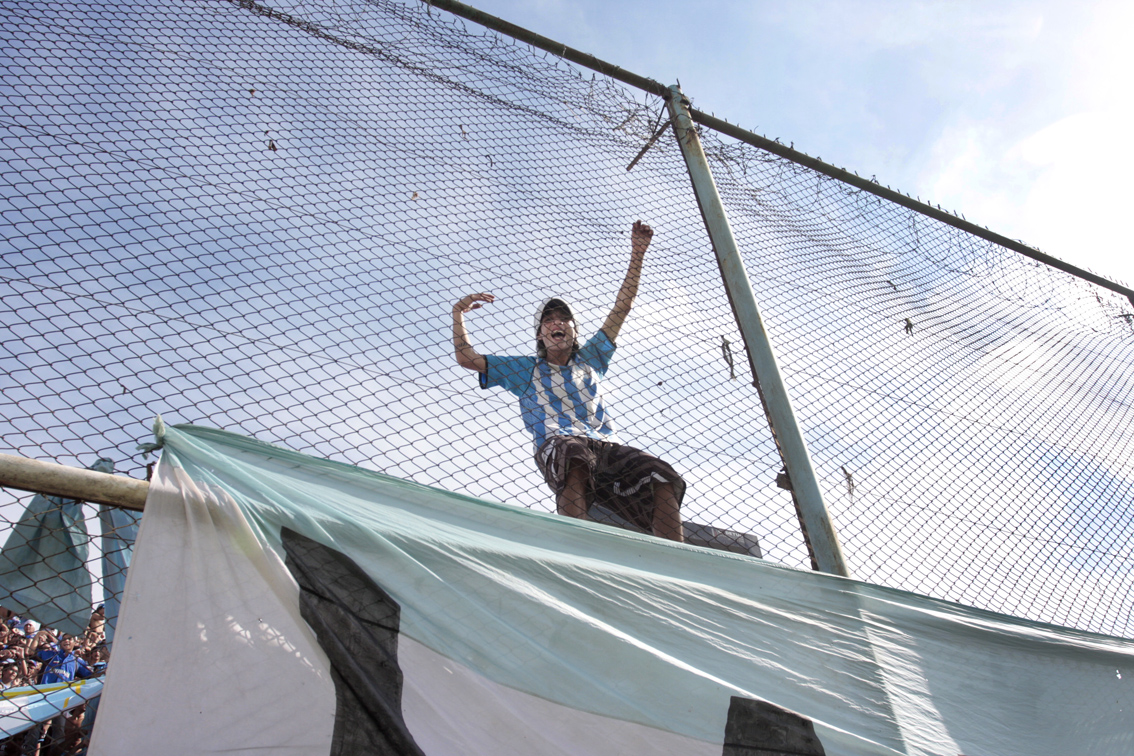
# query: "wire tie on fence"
[725,347]
[159,439]
[783,480]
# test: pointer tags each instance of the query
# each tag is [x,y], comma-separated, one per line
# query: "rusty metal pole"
[813,512]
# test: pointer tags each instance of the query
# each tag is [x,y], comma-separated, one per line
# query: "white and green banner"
[282,604]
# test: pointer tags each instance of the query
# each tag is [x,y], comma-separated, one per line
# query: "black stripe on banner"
[356,623]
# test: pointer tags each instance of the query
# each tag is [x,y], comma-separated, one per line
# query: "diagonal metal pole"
[816,521]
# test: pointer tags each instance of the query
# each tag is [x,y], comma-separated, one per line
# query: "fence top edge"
[651,86]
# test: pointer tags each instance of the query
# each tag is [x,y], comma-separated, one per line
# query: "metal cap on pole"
[816,520]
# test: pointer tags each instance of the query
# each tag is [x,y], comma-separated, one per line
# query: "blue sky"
[1011,112]
[159,257]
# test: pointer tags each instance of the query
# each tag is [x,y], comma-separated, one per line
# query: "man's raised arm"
[640,236]
[467,357]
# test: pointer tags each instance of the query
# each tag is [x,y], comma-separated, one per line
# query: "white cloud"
[1080,200]
[1051,167]
[1064,188]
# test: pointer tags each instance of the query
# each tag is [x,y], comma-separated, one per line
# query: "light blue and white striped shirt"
[558,400]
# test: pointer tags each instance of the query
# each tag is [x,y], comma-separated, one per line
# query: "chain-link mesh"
[968,410]
[259,219]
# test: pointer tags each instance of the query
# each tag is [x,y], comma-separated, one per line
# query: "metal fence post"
[816,520]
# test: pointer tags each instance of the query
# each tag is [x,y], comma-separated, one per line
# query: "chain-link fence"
[62,575]
[258,218]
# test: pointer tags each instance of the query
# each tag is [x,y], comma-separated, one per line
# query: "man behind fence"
[562,406]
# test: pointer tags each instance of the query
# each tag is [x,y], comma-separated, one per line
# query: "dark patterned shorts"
[621,477]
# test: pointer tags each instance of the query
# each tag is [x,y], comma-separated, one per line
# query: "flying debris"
[909,327]
[783,480]
[726,347]
[850,481]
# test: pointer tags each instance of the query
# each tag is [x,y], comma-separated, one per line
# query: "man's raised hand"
[640,236]
[473,302]
[468,357]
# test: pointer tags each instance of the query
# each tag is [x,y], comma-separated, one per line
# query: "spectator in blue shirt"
[62,665]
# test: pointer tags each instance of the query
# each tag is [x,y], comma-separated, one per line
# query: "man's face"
[9,673]
[67,643]
[556,330]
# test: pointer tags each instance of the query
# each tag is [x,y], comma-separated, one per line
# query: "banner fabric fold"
[284,604]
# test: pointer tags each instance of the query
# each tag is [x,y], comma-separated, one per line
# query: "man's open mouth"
[557,334]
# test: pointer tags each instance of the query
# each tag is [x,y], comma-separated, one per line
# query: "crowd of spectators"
[34,655]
